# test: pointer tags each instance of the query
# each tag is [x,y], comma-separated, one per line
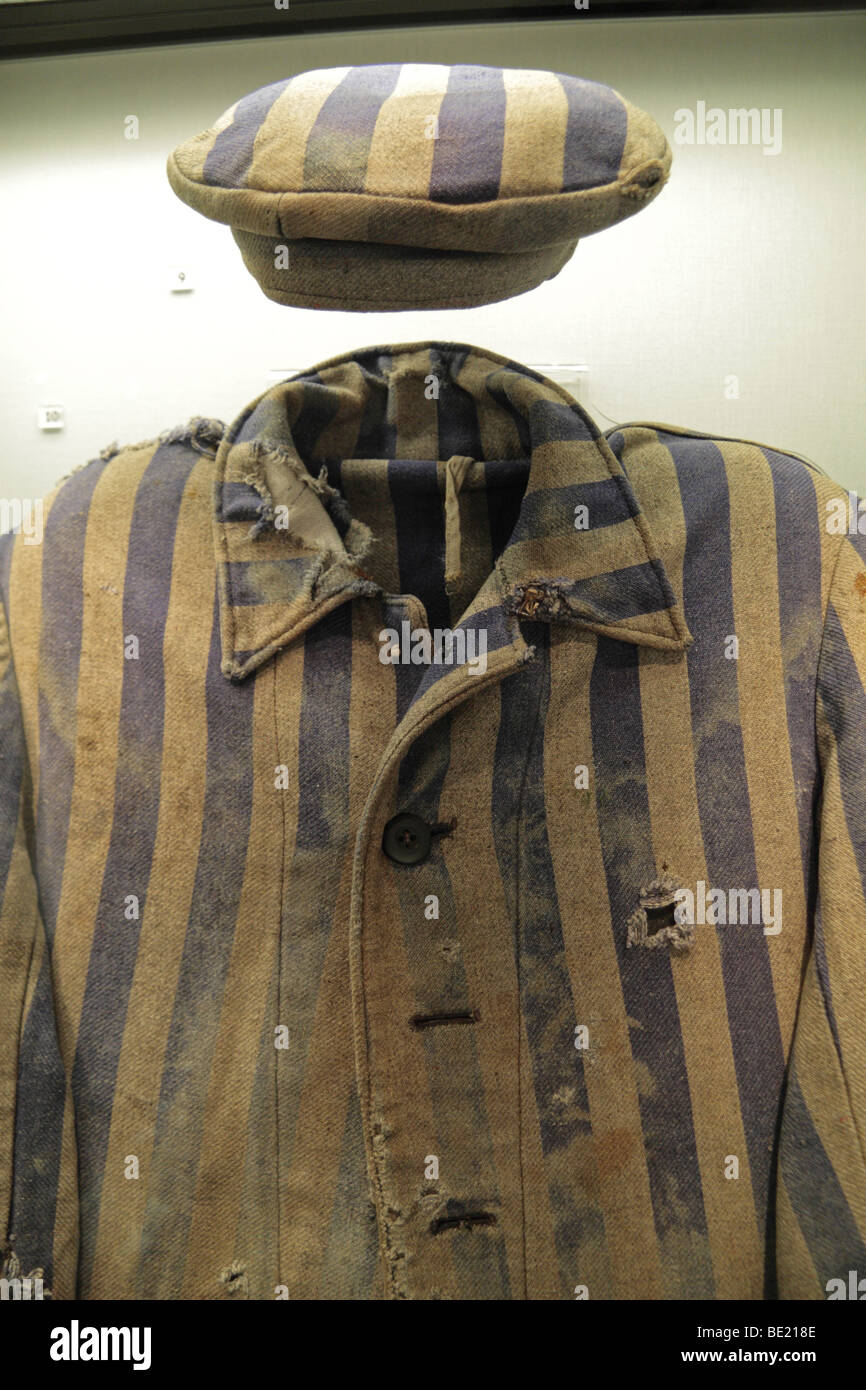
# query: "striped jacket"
[531,968]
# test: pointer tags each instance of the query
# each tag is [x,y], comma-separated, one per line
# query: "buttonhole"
[434,1020]
[466,1220]
[444,827]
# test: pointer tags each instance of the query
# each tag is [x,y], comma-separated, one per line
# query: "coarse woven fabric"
[419,185]
[229,1060]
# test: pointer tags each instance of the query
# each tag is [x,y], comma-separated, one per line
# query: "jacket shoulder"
[698,455]
[199,435]
[143,480]
[691,445]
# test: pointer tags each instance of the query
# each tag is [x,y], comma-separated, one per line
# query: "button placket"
[421,1213]
[420,1078]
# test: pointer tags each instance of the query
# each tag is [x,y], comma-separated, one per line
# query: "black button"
[406,839]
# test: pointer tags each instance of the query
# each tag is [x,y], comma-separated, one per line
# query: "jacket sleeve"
[821,1190]
[38,1182]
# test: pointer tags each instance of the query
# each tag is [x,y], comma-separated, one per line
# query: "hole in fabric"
[659,917]
[655,923]
[466,1220]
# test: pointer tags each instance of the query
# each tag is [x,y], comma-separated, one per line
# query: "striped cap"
[417,185]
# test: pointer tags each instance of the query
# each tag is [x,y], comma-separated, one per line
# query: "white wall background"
[747,264]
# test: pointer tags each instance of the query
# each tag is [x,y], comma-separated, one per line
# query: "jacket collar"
[288,552]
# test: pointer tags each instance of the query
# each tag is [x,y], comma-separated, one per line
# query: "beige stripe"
[267,545]
[365,487]
[100,682]
[476,548]
[25,626]
[20,931]
[311,1184]
[763,718]
[394,1082]
[621,1177]
[849,602]
[643,139]
[496,427]
[340,436]
[542,1278]
[563,461]
[524,392]
[192,155]
[536,120]
[40,946]
[414,417]
[401,1098]
[66,1213]
[486,953]
[22,951]
[735,1244]
[258,624]
[280,146]
[842,906]
[401,150]
[581,554]
[830,544]
[162,929]
[288,688]
[237,1048]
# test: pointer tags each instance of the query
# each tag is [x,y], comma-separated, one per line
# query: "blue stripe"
[128,862]
[798,548]
[323,808]
[498,634]
[39,1107]
[200,992]
[13,754]
[505,486]
[526,868]
[649,996]
[322,840]
[467,155]
[229,160]
[419,522]
[457,412]
[617,595]
[825,1219]
[239,502]
[37,1118]
[267,581]
[41,1083]
[454,1073]
[595,134]
[550,512]
[59,655]
[338,146]
[723,798]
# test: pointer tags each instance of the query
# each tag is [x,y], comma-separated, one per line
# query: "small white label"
[277,374]
[51,417]
[565,374]
[180,281]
